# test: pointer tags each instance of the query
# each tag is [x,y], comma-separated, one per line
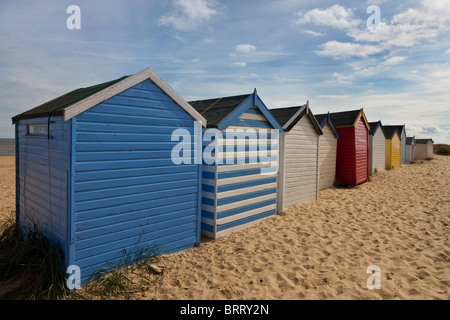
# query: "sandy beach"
[399,221]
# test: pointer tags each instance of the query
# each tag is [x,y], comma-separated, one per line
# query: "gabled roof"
[323,119]
[410,140]
[424,141]
[400,129]
[348,118]
[290,116]
[75,102]
[390,131]
[217,109]
[374,126]
[221,112]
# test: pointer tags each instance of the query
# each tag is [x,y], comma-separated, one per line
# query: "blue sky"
[290,51]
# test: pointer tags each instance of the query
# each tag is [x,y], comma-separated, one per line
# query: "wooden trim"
[125,84]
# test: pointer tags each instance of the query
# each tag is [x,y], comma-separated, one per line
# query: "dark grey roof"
[321,121]
[399,129]
[284,115]
[374,126]
[410,140]
[319,117]
[217,109]
[424,141]
[389,131]
[344,119]
[59,104]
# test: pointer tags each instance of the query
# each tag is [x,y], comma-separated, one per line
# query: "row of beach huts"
[95,169]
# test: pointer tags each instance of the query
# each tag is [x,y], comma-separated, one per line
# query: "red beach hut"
[352,159]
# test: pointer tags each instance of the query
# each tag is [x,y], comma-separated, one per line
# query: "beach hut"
[95,171]
[424,149]
[240,163]
[377,147]
[393,147]
[401,130]
[327,151]
[352,159]
[410,149]
[298,175]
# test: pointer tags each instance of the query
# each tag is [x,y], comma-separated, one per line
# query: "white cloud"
[238,64]
[336,16]
[394,60]
[314,33]
[448,51]
[189,14]
[245,48]
[338,50]
[406,29]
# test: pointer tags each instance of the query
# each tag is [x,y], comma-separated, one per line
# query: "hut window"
[39,129]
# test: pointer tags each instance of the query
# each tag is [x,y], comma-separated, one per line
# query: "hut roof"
[374,126]
[75,102]
[348,118]
[424,141]
[323,119]
[389,132]
[59,104]
[410,140]
[288,117]
[217,109]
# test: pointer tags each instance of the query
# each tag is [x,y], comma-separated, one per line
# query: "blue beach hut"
[240,178]
[95,171]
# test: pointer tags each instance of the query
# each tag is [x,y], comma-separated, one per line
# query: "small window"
[38,129]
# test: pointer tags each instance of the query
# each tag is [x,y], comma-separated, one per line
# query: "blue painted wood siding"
[403,148]
[42,177]
[127,191]
[240,194]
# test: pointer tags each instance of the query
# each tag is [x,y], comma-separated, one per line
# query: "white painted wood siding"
[377,151]
[301,164]
[327,158]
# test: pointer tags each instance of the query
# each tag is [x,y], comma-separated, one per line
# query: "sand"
[399,221]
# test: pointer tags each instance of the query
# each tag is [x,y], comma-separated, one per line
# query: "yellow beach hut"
[393,147]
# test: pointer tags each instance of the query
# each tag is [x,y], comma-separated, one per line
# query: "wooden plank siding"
[377,149]
[127,192]
[300,164]
[327,158]
[239,194]
[43,167]
[393,149]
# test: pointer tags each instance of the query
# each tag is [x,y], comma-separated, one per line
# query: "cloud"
[336,17]
[238,64]
[245,48]
[189,14]
[339,50]
[314,33]
[406,29]
[394,60]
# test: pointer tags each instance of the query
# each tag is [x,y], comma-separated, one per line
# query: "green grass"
[30,263]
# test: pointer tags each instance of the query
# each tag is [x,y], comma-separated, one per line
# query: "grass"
[30,264]
[31,268]
[442,149]
[132,274]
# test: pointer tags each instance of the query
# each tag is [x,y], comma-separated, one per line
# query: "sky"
[292,51]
